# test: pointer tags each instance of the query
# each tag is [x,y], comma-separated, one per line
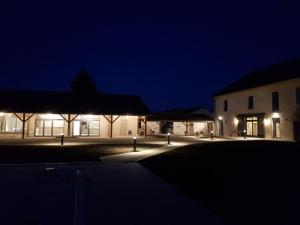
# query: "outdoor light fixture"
[62,138]
[220,118]
[169,138]
[212,135]
[1,113]
[275,115]
[267,122]
[236,121]
[134,144]
[245,134]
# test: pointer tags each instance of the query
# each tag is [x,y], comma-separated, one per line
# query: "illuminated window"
[49,125]
[86,125]
[9,123]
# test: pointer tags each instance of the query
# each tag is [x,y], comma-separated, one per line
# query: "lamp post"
[244,134]
[212,135]
[62,136]
[134,144]
[169,138]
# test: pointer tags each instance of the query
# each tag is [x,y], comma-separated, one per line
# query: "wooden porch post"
[111,120]
[111,126]
[69,125]
[69,121]
[186,124]
[23,119]
[23,126]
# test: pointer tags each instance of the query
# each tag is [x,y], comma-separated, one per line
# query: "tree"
[83,84]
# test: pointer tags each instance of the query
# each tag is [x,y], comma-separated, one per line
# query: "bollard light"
[169,138]
[245,134]
[212,135]
[62,139]
[134,144]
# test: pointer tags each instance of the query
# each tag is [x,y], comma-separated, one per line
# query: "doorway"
[221,128]
[276,128]
[86,128]
[48,127]
[252,126]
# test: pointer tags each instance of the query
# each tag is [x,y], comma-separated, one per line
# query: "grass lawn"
[11,154]
[243,182]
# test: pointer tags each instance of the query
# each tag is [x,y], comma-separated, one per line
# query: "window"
[86,125]
[9,123]
[49,127]
[298,95]
[275,101]
[225,106]
[250,102]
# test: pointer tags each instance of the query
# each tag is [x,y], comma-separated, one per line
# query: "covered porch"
[52,114]
[180,124]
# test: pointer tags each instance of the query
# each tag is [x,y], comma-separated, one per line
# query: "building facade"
[51,114]
[52,125]
[267,108]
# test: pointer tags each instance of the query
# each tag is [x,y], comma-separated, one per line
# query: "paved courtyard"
[49,150]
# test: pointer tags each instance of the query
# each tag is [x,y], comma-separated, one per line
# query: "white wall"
[178,128]
[238,104]
[200,127]
[129,122]
[152,128]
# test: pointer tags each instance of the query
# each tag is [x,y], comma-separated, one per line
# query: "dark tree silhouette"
[83,84]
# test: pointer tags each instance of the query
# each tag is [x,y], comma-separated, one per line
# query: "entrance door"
[76,128]
[221,128]
[249,128]
[252,126]
[276,128]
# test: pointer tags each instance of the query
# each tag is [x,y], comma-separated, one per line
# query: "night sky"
[171,53]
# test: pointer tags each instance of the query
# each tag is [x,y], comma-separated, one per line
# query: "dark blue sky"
[171,53]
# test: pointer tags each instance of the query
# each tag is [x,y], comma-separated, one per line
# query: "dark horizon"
[171,55]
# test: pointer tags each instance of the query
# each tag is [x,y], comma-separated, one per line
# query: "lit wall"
[238,104]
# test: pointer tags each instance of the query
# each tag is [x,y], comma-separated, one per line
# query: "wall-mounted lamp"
[235,121]
[275,115]
[267,122]
[220,118]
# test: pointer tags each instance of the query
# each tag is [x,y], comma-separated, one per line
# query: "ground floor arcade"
[258,125]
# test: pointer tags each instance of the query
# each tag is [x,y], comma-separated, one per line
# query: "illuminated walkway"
[136,156]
